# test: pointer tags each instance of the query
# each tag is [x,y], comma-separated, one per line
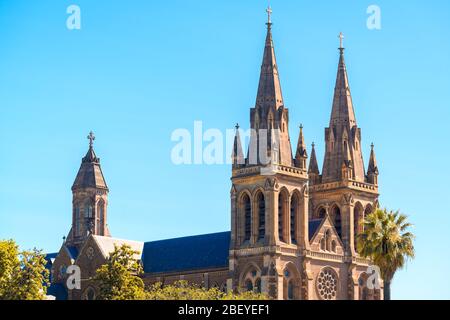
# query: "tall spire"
[269,89]
[343,137]
[238,154]
[342,112]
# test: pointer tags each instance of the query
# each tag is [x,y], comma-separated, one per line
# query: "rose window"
[327,285]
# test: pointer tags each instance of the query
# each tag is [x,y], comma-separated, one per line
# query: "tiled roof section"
[90,174]
[58,291]
[313,226]
[189,253]
[106,245]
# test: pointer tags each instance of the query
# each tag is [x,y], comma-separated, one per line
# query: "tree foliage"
[387,242]
[23,275]
[119,279]
[182,290]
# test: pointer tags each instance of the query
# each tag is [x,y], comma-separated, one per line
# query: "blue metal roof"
[189,253]
[313,226]
[58,291]
[73,252]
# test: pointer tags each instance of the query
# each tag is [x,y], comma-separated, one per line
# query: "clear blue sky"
[137,70]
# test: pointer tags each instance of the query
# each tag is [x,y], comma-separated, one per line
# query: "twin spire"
[343,156]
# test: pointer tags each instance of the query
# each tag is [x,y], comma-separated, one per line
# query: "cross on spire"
[269,13]
[341,41]
[91,138]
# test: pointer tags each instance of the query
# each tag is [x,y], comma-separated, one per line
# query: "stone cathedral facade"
[293,228]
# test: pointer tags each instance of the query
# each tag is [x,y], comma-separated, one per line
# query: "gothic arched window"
[101,217]
[281,216]
[336,214]
[261,203]
[88,210]
[294,208]
[247,217]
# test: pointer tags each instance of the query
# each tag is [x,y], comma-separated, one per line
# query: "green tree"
[387,242]
[182,290]
[119,279]
[23,275]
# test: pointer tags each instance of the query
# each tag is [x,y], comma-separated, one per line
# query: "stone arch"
[89,294]
[283,215]
[291,282]
[336,217]
[245,215]
[249,277]
[369,209]
[321,212]
[364,292]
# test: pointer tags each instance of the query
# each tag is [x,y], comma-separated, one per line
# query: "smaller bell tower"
[89,201]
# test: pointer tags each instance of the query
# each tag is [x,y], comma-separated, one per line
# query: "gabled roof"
[188,253]
[106,245]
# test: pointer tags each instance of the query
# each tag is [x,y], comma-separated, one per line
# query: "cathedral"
[293,227]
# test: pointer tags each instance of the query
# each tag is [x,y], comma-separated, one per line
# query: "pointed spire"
[90,173]
[313,166]
[342,112]
[373,167]
[301,154]
[269,89]
[343,137]
[238,154]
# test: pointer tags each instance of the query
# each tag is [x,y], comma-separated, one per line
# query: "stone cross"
[269,12]
[91,138]
[341,40]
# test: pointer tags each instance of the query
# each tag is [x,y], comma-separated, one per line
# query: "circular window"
[327,284]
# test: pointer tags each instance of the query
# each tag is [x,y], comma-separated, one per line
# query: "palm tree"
[387,242]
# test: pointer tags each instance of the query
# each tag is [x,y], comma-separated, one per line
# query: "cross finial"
[372,146]
[313,144]
[341,41]
[91,138]
[269,13]
[237,126]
